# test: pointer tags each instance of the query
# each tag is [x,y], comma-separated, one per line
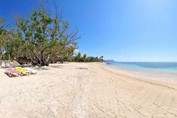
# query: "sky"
[122,30]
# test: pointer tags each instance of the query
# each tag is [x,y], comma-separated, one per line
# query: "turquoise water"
[156,70]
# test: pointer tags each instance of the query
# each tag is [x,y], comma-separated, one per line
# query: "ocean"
[153,70]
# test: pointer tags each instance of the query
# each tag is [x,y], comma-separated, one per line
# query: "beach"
[86,90]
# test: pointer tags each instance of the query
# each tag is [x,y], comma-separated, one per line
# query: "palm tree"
[85,58]
[101,58]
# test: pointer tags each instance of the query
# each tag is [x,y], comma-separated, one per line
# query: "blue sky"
[123,30]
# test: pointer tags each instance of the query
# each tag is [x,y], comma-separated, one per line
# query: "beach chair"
[3,65]
[22,71]
[11,72]
[7,65]
[32,71]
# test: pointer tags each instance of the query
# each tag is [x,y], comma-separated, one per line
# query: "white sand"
[67,91]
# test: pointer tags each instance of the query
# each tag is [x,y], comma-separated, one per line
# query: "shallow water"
[155,70]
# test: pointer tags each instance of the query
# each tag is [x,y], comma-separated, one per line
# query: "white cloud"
[76,51]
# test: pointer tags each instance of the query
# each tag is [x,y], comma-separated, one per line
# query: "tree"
[3,33]
[42,38]
[78,57]
[16,48]
[101,58]
[84,58]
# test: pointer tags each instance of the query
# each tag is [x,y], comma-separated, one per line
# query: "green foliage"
[3,34]
[84,58]
[42,38]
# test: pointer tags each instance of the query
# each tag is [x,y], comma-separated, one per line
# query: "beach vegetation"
[84,58]
[40,39]
[3,34]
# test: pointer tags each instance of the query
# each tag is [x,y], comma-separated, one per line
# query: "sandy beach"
[85,90]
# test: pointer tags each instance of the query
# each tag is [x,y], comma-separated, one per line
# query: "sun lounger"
[11,72]
[22,71]
[7,65]
[3,65]
[32,71]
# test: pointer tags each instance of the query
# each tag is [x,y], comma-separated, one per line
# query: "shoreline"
[126,73]
[85,90]
[149,74]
